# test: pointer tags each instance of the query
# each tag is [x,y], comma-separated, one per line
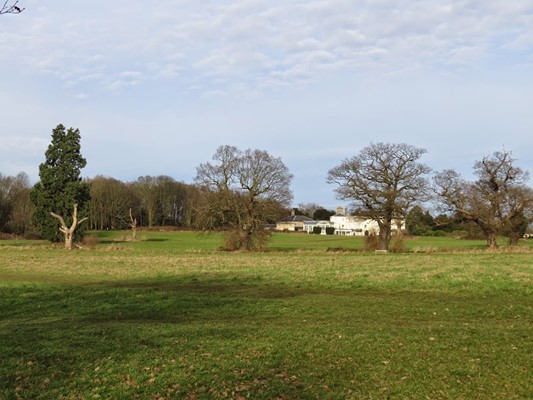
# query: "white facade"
[353,225]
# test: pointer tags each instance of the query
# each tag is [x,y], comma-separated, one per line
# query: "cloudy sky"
[156,86]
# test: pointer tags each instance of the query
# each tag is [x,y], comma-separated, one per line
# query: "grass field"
[171,317]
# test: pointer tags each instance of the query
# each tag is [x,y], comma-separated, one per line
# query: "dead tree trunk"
[69,232]
[133,225]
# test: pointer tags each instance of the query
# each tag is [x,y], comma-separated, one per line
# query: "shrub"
[90,241]
[371,243]
[234,240]
[330,230]
[397,244]
[317,230]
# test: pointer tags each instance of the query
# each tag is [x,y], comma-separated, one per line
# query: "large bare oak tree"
[498,201]
[383,181]
[243,191]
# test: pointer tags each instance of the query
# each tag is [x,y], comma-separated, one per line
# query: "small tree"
[382,181]
[133,225]
[60,184]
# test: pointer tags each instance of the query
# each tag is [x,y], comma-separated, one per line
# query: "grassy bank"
[169,316]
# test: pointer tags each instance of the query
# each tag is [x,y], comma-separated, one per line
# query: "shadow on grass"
[59,339]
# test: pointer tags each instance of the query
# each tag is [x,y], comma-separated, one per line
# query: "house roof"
[297,218]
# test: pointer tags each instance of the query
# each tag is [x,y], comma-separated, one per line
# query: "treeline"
[16,208]
[243,190]
[152,200]
[163,201]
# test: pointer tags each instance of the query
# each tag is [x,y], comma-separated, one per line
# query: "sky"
[156,86]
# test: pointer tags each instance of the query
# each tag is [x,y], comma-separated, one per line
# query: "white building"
[346,224]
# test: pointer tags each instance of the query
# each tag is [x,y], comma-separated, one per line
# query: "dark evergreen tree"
[419,222]
[321,214]
[60,185]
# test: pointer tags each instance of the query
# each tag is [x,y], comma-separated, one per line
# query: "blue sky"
[156,86]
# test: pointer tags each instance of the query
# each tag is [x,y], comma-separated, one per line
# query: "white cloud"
[268,73]
[259,39]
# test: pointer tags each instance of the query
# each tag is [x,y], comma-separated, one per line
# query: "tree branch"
[11,9]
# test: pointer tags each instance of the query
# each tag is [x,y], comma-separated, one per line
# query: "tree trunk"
[68,240]
[384,237]
[133,224]
[249,240]
[69,232]
[491,240]
[514,237]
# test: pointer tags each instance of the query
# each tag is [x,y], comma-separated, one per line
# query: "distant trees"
[243,190]
[151,201]
[16,209]
[164,201]
[383,181]
[60,185]
[321,214]
[110,203]
[419,222]
[496,202]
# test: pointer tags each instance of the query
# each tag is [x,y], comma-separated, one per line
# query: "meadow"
[170,316]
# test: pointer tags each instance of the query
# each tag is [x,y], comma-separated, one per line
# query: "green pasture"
[187,240]
[169,316]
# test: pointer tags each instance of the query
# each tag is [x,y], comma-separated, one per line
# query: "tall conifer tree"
[60,185]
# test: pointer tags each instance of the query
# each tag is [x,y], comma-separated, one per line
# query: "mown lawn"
[171,317]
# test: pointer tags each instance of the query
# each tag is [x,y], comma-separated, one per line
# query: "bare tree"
[68,232]
[382,181]
[133,225]
[519,208]
[308,209]
[11,8]
[494,201]
[110,201]
[16,209]
[244,190]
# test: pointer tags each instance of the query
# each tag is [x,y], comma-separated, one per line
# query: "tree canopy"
[243,191]
[383,181]
[496,201]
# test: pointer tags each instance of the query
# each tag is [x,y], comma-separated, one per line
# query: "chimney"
[339,210]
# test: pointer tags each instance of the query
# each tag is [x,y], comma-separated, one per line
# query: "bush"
[397,244]
[32,235]
[317,230]
[235,240]
[330,230]
[371,243]
[90,241]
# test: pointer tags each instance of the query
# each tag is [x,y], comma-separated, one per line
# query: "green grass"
[170,317]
